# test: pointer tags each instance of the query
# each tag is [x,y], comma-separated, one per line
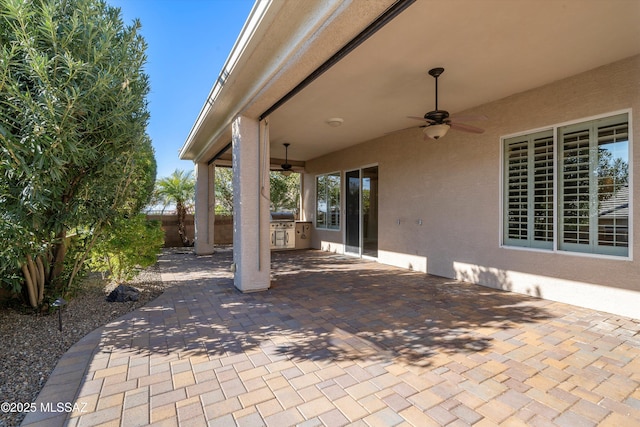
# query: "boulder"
[123,293]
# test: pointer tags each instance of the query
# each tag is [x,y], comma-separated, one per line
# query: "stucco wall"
[453,187]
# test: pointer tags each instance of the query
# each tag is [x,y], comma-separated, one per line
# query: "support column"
[211,187]
[307,194]
[251,251]
[205,209]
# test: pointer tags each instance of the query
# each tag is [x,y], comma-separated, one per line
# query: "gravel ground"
[31,345]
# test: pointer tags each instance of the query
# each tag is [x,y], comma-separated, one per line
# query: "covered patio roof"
[490,50]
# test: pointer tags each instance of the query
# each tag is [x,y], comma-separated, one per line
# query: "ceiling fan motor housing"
[438,116]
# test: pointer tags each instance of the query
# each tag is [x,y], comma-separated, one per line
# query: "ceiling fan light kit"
[436,131]
[438,121]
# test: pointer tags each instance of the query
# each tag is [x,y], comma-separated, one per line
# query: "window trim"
[554,129]
[315,194]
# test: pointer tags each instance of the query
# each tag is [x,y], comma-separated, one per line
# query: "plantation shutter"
[516,188]
[575,197]
[528,215]
[543,190]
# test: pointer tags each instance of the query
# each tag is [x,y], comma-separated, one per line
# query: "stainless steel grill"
[282,230]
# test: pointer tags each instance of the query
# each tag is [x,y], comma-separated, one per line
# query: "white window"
[328,201]
[589,211]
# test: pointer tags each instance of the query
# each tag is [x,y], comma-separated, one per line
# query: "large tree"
[284,191]
[224,191]
[74,154]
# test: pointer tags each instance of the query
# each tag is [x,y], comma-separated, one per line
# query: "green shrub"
[130,244]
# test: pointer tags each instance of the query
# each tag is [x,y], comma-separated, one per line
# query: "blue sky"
[188,43]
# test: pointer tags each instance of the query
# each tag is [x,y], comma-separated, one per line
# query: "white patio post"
[205,208]
[211,187]
[307,195]
[251,252]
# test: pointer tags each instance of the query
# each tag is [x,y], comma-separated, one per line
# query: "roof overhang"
[281,43]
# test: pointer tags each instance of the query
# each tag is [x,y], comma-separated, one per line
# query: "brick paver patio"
[341,341]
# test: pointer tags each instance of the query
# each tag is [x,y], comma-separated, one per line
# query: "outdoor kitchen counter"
[303,234]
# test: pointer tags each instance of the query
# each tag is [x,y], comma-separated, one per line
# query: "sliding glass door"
[370,212]
[361,206]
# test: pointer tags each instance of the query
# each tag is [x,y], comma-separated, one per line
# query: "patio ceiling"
[490,49]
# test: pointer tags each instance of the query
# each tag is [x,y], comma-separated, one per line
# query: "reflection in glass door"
[370,211]
[352,202]
[361,206]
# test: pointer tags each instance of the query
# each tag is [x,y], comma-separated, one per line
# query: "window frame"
[325,225]
[557,246]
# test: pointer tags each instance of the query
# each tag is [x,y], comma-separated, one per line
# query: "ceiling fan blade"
[466,128]
[421,118]
[469,117]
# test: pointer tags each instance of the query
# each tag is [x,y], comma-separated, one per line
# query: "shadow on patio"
[320,307]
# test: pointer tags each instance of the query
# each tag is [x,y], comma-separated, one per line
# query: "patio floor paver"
[341,341]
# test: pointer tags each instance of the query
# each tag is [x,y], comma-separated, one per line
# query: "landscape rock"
[123,293]
[31,343]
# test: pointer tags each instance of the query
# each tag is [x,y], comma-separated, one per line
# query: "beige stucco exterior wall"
[453,187]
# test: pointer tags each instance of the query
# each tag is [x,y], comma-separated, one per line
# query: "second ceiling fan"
[286,166]
[438,121]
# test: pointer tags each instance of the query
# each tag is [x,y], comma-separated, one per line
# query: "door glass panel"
[370,211]
[352,202]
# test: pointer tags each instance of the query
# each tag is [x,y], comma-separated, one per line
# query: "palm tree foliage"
[179,189]
[74,153]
